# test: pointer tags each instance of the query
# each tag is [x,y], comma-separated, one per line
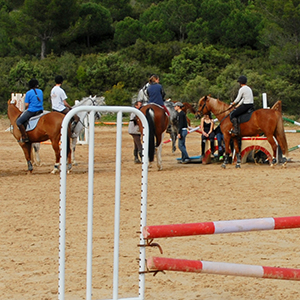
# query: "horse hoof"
[237,166]
[223,166]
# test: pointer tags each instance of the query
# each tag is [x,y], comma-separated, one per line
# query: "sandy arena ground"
[188,193]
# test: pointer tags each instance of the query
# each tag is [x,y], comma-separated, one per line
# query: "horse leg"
[36,154]
[55,146]
[27,152]
[227,147]
[238,154]
[74,141]
[158,151]
[274,148]
[173,138]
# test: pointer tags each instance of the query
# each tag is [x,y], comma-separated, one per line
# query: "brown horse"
[158,122]
[267,121]
[48,127]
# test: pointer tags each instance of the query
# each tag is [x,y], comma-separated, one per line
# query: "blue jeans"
[181,145]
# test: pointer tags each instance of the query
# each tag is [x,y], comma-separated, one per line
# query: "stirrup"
[24,140]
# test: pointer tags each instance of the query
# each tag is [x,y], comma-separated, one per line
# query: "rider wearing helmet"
[244,101]
[33,105]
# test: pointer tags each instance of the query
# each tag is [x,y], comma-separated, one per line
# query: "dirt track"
[178,194]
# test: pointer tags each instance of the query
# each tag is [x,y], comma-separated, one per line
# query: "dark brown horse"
[48,127]
[267,121]
[158,122]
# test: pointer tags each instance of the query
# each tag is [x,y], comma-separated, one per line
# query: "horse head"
[202,107]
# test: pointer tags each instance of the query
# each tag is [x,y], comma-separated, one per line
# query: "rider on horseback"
[59,100]
[156,93]
[34,106]
[245,102]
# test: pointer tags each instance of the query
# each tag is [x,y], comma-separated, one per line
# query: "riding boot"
[235,129]
[24,138]
[136,158]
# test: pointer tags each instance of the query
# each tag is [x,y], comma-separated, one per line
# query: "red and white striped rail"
[163,231]
[221,268]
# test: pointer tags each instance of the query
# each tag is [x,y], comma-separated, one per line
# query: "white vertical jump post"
[264,100]
[63,181]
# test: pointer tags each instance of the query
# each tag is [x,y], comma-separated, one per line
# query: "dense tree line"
[110,47]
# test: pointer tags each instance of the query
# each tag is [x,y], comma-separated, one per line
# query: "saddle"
[32,122]
[245,117]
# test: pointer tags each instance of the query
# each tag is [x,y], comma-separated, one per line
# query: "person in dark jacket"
[182,132]
[156,92]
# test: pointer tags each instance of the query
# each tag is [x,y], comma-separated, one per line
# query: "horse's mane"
[218,105]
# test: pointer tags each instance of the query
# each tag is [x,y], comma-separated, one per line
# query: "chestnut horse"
[48,127]
[267,121]
[158,122]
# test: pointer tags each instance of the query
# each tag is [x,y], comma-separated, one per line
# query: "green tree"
[127,32]
[94,23]
[119,9]
[281,33]
[45,19]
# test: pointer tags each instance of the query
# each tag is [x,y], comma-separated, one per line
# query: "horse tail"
[150,119]
[280,134]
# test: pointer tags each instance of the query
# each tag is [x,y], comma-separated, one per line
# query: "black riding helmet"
[242,79]
[59,79]
[33,83]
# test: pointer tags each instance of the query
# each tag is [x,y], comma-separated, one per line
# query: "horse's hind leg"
[158,151]
[36,153]
[74,141]
[55,146]
[274,148]
[158,157]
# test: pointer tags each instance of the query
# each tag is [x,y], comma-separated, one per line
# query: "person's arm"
[26,105]
[179,125]
[67,104]
[211,127]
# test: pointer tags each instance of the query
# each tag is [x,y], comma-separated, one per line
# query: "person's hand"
[179,136]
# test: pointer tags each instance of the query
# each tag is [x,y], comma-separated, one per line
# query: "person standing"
[156,92]
[207,127]
[244,101]
[59,100]
[33,106]
[134,131]
[182,132]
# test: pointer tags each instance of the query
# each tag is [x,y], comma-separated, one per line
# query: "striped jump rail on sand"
[221,268]
[163,231]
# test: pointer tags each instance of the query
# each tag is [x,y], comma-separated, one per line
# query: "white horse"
[88,101]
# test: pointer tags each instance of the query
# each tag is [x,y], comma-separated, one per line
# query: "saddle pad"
[34,120]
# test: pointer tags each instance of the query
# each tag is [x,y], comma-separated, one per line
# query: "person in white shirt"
[59,100]
[244,101]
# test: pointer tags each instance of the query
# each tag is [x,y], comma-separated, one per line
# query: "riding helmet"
[59,79]
[33,83]
[242,79]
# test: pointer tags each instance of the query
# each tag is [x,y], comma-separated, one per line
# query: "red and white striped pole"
[221,268]
[163,231]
